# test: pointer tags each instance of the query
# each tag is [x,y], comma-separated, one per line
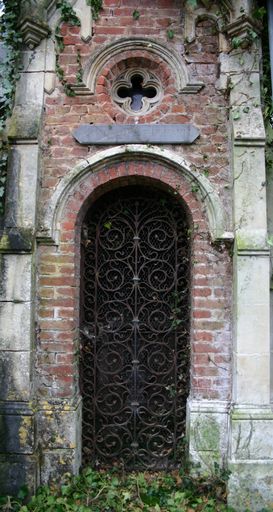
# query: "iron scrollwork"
[135,330]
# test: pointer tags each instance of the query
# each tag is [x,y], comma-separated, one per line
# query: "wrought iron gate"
[135,329]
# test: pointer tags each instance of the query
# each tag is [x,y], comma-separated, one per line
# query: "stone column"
[251,421]
[18,447]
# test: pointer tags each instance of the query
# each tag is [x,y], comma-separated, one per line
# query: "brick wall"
[58,266]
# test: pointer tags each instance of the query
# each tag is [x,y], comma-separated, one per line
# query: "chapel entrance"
[135,305]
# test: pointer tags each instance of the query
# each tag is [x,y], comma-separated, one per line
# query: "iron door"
[135,329]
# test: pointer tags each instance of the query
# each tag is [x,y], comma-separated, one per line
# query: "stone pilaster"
[18,447]
[251,425]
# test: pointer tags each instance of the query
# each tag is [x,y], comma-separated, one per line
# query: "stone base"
[250,483]
[18,470]
[207,432]
[59,433]
[250,486]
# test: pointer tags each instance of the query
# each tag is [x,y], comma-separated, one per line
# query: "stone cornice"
[242,28]
[33,31]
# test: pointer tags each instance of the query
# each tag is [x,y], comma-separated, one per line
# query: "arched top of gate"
[204,190]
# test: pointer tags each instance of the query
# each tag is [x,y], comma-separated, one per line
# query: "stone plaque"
[89,134]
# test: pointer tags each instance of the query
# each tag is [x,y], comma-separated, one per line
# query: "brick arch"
[59,276]
[138,47]
[178,172]
[139,59]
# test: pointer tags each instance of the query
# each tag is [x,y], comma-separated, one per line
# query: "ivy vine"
[95,5]
[11,40]
[68,15]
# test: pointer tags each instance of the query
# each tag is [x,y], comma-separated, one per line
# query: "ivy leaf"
[192,4]
[270,240]
[107,225]
[170,33]
[236,115]
[236,42]
[136,14]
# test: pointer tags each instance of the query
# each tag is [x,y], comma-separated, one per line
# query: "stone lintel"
[136,133]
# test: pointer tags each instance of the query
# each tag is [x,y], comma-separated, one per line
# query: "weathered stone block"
[252,439]
[246,389]
[14,375]
[59,429]
[247,121]
[249,197]
[16,240]
[207,431]
[250,486]
[253,313]
[21,187]
[239,62]
[34,61]
[56,463]
[25,122]
[15,314]
[15,471]
[16,434]
[15,277]
[29,91]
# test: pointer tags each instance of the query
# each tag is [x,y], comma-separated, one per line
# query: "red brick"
[60,266]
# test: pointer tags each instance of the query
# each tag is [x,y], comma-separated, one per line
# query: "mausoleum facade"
[135,283]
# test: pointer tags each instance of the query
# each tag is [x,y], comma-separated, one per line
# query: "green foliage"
[60,74]
[110,491]
[244,42]
[96,5]
[9,74]
[3,174]
[136,14]
[266,96]
[170,33]
[10,65]
[79,74]
[68,14]
[192,4]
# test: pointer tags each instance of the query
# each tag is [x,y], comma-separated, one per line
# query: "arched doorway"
[135,321]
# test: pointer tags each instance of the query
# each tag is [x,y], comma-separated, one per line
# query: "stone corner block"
[17,470]
[15,277]
[14,375]
[247,124]
[250,486]
[24,122]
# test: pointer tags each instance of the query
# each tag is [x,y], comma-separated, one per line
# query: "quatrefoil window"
[137,91]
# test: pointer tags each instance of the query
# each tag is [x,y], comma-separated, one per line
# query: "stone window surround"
[149,80]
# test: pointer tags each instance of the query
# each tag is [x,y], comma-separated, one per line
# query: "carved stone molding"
[33,31]
[209,11]
[241,28]
[125,81]
[101,58]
